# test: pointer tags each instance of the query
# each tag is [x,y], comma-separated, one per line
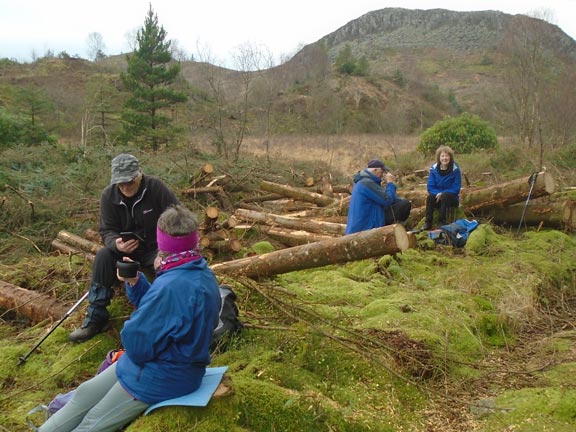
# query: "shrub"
[465,134]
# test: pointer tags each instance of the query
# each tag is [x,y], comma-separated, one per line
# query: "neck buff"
[181,249]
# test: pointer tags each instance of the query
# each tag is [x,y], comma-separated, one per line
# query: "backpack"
[456,233]
[228,323]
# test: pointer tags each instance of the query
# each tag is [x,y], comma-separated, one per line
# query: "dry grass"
[344,153]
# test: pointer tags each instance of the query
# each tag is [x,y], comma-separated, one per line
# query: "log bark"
[203,172]
[36,306]
[203,190]
[506,193]
[320,227]
[390,239]
[70,250]
[560,215]
[78,242]
[296,193]
[260,198]
[290,237]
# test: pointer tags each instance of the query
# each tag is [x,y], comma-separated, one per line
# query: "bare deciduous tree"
[96,46]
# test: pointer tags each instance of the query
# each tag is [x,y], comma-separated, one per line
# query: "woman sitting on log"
[444,184]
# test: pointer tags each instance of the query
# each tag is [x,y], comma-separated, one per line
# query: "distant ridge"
[440,28]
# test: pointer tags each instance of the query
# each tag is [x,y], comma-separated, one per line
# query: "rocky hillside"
[396,28]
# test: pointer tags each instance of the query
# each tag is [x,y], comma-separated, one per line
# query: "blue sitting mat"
[199,397]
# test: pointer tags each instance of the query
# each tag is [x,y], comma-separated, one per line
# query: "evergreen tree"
[150,78]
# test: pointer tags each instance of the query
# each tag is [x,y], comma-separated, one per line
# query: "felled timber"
[203,190]
[290,222]
[296,193]
[560,215]
[34,305]
[78,242]
[71,250]
[260,198]
[390,239]
[506,193]
[203,172]
[290,237]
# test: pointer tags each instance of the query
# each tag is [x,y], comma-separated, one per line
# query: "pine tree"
[150,78]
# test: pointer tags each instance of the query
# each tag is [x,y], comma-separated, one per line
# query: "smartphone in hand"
[130,235]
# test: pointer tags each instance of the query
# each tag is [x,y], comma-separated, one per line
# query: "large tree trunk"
[31,304]
[560,215]
[366,244]
[290,222]
[290,237]
[296,193]
[503,194]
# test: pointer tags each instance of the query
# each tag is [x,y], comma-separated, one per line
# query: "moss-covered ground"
[433,339]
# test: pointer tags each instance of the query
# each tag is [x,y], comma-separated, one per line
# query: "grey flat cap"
[125,168]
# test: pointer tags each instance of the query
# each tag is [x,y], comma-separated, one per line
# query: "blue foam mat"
[201,396]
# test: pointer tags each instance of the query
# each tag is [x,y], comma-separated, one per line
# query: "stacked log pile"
[311,224]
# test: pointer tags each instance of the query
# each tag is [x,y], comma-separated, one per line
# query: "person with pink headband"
[167,338]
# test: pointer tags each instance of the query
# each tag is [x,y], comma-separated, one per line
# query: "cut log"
[296,193]
[506,193]
[289,222]
[390,239]
[204,171]
[203,190]
[78,242]
[227,245]
[36,306]
[260,198]
[70,250]
[290,237]
[93,236]
[561,215]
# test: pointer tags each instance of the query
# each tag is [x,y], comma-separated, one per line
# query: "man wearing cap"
[373,206]
[132,202]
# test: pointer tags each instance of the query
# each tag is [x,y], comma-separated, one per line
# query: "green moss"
[263,247]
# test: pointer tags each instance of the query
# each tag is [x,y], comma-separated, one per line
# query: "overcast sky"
[216,27]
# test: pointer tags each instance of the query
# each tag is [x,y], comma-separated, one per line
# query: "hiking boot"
[85,333]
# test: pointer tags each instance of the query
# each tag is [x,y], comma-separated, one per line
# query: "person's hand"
[131,281]
[127,246]
[390,178]
[438,196]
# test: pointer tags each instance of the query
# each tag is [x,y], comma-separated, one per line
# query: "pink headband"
[172,244]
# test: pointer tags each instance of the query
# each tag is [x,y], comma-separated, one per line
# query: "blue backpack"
[456,233]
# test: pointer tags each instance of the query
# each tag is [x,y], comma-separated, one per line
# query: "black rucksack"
[228,324]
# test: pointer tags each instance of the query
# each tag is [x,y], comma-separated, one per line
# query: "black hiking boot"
[85,333]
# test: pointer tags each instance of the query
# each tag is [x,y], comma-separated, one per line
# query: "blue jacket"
[167,338]
[451,182]
[368,201]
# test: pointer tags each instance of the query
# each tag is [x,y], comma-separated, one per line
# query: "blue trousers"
[98,405]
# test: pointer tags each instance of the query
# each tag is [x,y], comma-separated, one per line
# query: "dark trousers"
[447,201]
[398,212]
[103,277]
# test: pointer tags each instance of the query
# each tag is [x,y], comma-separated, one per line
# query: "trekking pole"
[72,309]
[531,180]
